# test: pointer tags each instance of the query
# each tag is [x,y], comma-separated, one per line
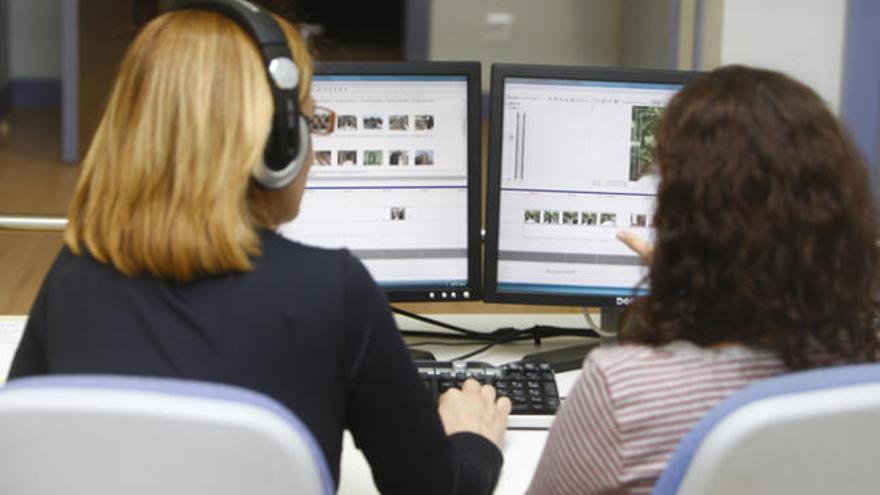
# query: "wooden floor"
[34,181]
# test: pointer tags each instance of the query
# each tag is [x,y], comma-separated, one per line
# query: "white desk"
[522,448]
[11,328]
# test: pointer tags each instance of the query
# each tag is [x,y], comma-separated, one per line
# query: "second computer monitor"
[397,180]
[570,165]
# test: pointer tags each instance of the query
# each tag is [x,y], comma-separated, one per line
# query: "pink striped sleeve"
[582,454]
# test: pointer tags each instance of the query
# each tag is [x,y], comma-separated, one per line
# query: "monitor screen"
[397,181]
[571,164]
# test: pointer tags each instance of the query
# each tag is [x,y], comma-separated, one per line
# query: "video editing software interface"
[391,182]
[575,168]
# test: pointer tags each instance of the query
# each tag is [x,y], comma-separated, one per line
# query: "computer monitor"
[570,164]
[397,182]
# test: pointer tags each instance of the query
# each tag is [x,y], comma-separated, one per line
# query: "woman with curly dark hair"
[765,261]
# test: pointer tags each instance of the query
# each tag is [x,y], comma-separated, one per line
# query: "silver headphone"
[288,143]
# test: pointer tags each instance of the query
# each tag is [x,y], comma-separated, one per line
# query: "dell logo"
[623,301]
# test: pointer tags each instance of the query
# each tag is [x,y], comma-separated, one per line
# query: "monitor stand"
[572,358]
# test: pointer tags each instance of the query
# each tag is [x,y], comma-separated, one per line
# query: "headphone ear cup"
[276,179]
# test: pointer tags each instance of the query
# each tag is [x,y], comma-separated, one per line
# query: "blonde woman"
[172,268]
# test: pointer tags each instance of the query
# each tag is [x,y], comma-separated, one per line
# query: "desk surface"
[11,328]
[522,449]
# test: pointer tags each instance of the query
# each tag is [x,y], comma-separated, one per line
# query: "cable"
[539,332]
[596,328]
[481,337]
[475,352]
[502,335]
[451,344]
[499,336]
[438,323]
[508,334]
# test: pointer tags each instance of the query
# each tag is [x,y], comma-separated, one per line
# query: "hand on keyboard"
[531,387]
[475,409]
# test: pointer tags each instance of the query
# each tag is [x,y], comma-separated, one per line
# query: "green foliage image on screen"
[642,142]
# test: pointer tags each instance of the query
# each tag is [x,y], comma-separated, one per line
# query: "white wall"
[34,39]
[803,38]
[707,55]
[573,32]
[646,31]
[687,33]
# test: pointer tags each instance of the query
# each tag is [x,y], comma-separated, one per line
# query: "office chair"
[89,434]
[810,432]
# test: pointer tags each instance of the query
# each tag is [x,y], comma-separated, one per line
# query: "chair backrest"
[85,434]
[810,432]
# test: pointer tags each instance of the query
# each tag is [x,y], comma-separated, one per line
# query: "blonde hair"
[164,185]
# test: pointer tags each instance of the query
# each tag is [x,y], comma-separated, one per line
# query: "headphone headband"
[287,145]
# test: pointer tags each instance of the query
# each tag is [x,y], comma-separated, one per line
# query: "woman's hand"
[642,247]
[474,409]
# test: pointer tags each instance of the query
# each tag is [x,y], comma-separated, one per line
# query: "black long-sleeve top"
[306,326]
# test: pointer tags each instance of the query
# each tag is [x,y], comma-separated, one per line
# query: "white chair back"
[813,432]
[88,435]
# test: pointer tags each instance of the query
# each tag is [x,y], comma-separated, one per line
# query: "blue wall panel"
[861,81]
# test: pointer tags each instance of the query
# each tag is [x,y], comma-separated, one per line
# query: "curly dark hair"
[766,227]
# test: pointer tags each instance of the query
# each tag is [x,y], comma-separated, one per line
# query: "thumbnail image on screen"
[390,183]
[577,166]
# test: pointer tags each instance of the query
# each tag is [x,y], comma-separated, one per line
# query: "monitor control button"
[431,295]
[466,294]
[443,295]
[453,295]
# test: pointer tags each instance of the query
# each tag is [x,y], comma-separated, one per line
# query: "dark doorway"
[370,30]
[365,30]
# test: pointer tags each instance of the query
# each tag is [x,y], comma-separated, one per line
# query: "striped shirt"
[631,406]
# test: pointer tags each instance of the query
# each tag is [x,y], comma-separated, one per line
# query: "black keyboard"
[531,387]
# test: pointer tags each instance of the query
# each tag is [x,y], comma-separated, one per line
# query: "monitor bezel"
[500,73]
[472,72]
